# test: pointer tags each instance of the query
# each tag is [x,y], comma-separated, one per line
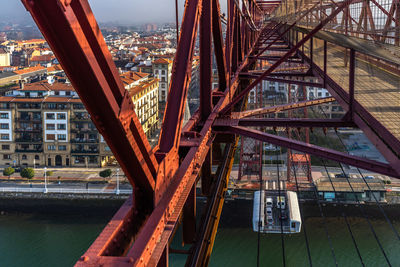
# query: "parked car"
[341,175]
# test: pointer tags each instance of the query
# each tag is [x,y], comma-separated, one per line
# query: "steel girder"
[164,178]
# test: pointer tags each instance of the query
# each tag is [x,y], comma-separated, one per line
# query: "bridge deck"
[376,89]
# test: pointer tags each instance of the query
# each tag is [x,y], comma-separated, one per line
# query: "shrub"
[49,173]
[27,173]
[105,173]
[8,171]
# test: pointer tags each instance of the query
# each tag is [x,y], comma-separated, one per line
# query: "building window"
[61,116]
[24,157]
[93,160]
[6,156]
[62,148]
[50,116]
[51,147]
[3,115]
[61,137]
[61,126]
[80,160]
[51,106]
[5,147]
[37,157]
[50,126]
[78,106]
[51,137]
[163,72]
[5,136]
[4,126]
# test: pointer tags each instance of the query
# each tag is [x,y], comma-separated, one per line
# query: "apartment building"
[44,124]
[143,90]
[162,70]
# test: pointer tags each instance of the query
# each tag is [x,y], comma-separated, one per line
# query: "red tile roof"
[29,70]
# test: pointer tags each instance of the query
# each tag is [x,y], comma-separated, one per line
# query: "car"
[269,202]
[369,177]
[280,202]
[341,175]
[269,211]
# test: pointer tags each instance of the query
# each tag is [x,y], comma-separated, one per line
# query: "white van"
[269,202]
[280,202]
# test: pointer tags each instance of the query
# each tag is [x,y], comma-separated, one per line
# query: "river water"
[59,240]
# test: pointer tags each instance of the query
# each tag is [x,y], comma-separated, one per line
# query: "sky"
[122,11]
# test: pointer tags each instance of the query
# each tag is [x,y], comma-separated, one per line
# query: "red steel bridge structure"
[351,47]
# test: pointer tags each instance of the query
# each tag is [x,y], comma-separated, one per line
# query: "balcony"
[30,150]
[28,119]
[78,118]
[28,129]
[78,140]
[84,151]
[29,140]
[83,130]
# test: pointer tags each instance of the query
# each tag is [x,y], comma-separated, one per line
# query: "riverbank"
[60,203]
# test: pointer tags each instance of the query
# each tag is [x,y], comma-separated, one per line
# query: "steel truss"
[164,178]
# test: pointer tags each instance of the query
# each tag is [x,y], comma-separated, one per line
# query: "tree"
[49,173]
[27,173]
[105,173]
[8,171]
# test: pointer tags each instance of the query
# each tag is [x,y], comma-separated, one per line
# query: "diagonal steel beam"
[278,108]
[286,56]
[284,122]
[84,56]
[327,153]
[180,79]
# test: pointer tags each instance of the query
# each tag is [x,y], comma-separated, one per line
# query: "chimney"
[21,84]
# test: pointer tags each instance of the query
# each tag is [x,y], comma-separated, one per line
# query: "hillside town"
[43,121]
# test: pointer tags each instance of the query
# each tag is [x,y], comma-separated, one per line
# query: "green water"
[59,240]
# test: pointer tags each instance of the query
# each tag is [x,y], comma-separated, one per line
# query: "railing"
[37,130]
[85,151]
[74,118]
[82,130]
[75,140]
[64,190]
[29,140]
[29,150]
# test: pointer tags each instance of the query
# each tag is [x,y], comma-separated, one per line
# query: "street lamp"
[45,179]
[117,181]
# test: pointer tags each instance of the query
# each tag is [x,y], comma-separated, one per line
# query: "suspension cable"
[280,207]
[361,209]
[259,226]
[363,178]
[344,216]
[301,213]
[364,215]
[177,22]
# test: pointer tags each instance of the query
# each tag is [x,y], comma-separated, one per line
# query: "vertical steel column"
[219,45]
[205,60]
[351,82]
[325,62]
